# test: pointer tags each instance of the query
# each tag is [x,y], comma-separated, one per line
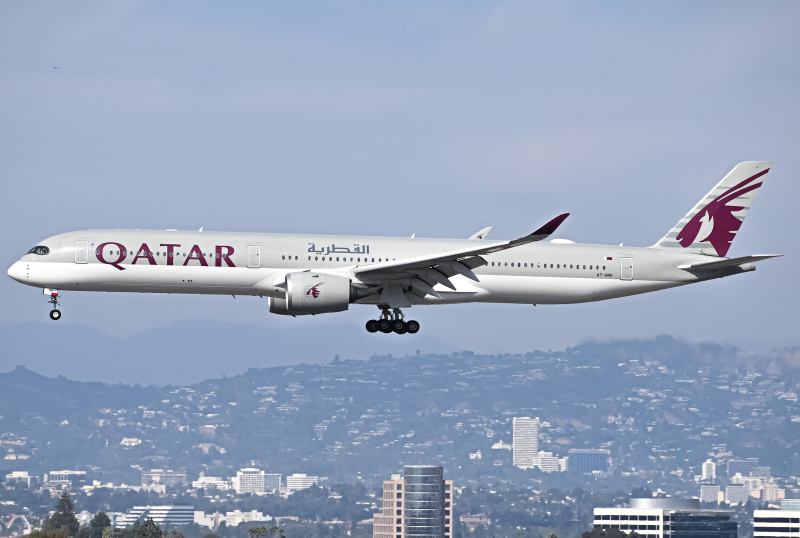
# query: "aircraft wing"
[436,268]
[724,264]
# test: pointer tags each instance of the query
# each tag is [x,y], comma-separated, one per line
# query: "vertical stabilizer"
[710,227]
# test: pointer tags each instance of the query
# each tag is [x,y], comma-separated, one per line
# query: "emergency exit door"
[253,256]
[626,269]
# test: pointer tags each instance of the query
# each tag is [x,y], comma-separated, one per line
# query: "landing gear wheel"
[385,326]
[399,326]
[412,326]
[55,314]
[372,326]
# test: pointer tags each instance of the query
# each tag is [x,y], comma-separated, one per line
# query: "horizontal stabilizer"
[724,264]
[483,233]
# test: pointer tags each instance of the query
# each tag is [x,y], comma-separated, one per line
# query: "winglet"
[552,225]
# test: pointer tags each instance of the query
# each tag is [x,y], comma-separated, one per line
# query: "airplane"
[318,274]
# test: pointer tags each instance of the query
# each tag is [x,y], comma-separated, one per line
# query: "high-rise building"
[583,460]
[743,467]
[667,518]
[737,494]
[296,482]
[790,504]
[709,494]
[526,441]
[709,470]
[416,505]
[770,523]
[249,480]
[160,477]
[272,482]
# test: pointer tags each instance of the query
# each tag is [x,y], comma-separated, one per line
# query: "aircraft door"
[253,256]
[626,269]
[81,252]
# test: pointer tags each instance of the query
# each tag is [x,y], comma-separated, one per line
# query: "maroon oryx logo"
[314,290]
[716,222]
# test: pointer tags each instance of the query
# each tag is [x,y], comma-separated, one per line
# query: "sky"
[388,118]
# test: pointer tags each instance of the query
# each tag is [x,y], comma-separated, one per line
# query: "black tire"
[384,326]
[412,326]
[55,314]
[372,326]
[399,326]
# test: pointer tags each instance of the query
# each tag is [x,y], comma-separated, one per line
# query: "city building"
[235,518]
[743,467]
[161,515]
[21,477]
[249,480]
[526,441]
[161,477]
[63,479]
[709,494]
[546,462]
[130,441]
[583,460]
[770,492]
[417,504]
[776,523]
[211,482]
[790,504]
[737,494]
[296,482]
[272,483]
[471,521]
[709,470]
[667,517]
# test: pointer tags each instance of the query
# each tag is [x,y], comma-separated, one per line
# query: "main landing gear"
[392,322]
[55,313]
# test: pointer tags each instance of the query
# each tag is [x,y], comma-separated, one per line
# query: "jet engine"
[315,293]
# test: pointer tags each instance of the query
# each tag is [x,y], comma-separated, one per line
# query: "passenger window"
[315,258]
[492,264]
[283,257]
[604,268]
[512,264]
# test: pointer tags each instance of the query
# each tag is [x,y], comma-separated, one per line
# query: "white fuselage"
[143,261]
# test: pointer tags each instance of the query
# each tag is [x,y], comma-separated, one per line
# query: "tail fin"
[710,227]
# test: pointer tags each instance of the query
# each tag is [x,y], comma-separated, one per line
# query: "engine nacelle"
[278,306]
[314,293]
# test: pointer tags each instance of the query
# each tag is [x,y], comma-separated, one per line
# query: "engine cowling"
[314,293]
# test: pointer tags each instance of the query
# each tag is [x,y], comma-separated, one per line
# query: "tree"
[147,530]
[49,533]
[64,518]
[256,532]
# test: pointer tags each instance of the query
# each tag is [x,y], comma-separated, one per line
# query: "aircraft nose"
[15,271]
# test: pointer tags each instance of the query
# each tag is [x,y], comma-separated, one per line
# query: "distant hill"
[189,351]
[660,407]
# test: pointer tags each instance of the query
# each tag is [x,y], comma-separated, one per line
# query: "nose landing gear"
[55,313]
[393,321]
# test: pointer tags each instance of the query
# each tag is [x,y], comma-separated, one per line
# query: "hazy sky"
[385,118]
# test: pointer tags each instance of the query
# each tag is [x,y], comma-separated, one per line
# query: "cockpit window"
[40,250]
